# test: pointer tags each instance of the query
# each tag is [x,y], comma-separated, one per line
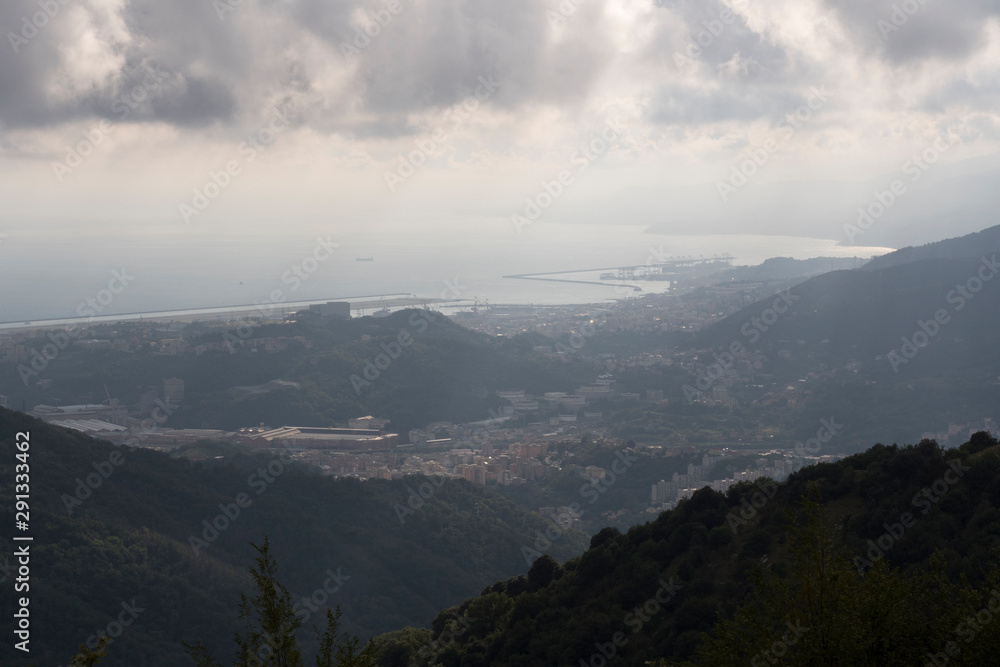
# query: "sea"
[461,266]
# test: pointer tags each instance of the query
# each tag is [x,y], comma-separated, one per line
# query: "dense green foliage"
[821,613]
[758,558]
[270,625]
[129,543]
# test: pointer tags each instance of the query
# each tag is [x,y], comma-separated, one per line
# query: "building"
[52,413]
[594,391]
[171,345]
[97,428]
[93,344]
[511,394]
[473,473]
[664,492]
[173,391]
[368,422]
[534,449]
[308,437]
[695,473]
[533,470]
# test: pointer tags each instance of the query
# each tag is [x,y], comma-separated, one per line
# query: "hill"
[118,526]
[870,571]
[429,369]
[977,244]
[845,315]
[896,353]
[780,269]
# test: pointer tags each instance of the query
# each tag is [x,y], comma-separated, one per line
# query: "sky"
[202,118]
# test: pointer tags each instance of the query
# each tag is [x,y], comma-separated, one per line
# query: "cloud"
[367,77]
[906,32]
[427,55]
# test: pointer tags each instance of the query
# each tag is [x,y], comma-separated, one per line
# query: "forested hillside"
[116,526]
[878,559]
[441,372]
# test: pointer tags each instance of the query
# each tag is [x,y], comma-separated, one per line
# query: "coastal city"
[520,442]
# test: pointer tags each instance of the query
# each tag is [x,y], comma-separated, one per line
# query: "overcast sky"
[172,89]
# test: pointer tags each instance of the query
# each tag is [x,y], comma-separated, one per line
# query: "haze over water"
[232,271]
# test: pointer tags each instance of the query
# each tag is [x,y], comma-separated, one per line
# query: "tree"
[542,572]
[823,613]
[87,657]
[270,626]
[342,650]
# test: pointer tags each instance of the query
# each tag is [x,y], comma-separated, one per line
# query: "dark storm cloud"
[434,57]
[713,34]
[26,56]
[909,31]
[154,79]
[430,55]
[741,75]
